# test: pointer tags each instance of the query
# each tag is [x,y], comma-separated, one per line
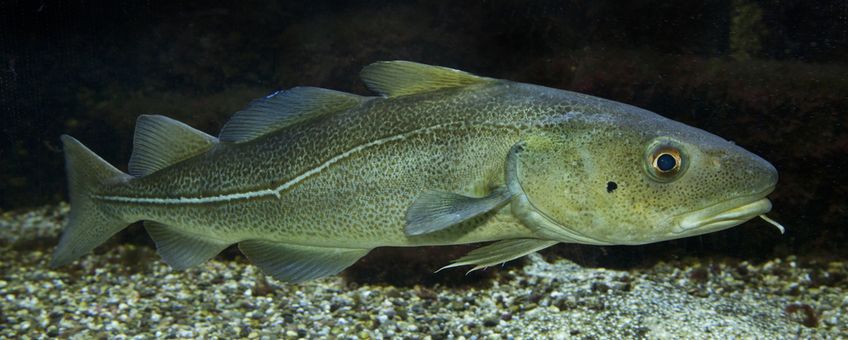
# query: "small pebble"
[99,297]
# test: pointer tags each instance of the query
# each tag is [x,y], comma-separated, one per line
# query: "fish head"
[634,180]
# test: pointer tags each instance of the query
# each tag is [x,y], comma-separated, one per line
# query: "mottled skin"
[568,147]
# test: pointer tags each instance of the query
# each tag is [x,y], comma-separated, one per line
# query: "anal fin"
[298,263]
[182,250]
[500,252]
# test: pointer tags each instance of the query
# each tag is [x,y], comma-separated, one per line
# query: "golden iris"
[666,162]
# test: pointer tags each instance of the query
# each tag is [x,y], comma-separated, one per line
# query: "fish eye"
[665,161]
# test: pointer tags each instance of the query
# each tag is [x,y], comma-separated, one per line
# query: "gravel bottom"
[126,292]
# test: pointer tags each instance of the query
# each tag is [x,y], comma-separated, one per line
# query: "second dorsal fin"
[400,78]
[160,141]
[285,108]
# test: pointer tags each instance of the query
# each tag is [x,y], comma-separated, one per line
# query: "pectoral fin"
[298,263]
[500,252]
[437,210]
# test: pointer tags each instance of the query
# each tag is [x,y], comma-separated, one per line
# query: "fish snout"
[747,172]
[761,174]
[745,178]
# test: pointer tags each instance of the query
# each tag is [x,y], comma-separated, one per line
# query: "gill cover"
[528,168]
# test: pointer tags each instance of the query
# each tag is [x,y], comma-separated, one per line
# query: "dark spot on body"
[611,186]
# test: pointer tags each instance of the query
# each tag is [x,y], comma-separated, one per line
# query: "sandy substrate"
[124,291]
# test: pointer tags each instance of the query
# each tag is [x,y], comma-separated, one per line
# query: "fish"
[308,180]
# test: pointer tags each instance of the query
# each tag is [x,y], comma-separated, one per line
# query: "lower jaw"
[725,219]
[714,227]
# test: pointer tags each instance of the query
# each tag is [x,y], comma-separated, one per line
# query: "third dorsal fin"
[160,141]
[285,108]
[400,78]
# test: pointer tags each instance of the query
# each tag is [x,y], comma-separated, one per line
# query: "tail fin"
[88,225]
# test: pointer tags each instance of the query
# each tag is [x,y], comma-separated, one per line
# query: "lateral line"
[277,191]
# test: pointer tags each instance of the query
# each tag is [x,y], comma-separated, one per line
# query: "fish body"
[308,180]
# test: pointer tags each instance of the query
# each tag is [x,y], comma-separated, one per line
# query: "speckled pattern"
[346,179]
[123,292]
[454,140]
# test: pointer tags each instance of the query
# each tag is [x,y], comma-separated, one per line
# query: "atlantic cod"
[309,180]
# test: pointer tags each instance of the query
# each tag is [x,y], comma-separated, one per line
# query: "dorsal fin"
[400,78]
[284,108]
[160,141]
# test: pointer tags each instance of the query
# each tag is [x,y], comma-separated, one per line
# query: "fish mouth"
[722,215]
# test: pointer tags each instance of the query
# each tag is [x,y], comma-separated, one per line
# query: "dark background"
[770,75]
